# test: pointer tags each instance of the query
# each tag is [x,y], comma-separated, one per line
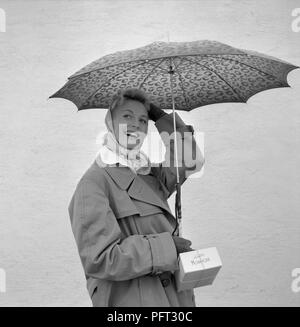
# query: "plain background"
[247,201]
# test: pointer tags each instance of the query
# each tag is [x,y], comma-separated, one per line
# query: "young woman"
[119,212]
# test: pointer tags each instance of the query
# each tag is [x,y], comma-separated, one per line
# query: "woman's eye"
[143,121]
[127,116]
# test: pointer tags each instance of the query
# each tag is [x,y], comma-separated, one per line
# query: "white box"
[197,268]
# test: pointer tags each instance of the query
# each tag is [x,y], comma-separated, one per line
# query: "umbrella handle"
[178,210]
[178,201]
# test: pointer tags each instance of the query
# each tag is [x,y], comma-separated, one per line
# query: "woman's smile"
[132,134]
[134,138]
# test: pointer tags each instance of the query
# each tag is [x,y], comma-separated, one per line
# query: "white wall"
[246,203]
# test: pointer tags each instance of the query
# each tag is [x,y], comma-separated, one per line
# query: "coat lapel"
[136,187]
[122,176]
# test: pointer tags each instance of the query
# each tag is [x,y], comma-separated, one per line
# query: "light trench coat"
[123,228]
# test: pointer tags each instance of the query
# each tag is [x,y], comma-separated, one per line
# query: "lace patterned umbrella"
[181,75]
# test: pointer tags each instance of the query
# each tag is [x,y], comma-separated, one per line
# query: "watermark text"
[2,281]
[296,22]
[160,148]
[296,281]
[2,20]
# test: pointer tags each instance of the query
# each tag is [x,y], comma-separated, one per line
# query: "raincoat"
[123,228]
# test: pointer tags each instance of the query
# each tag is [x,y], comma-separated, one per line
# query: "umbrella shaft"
[178,189]
[174,125]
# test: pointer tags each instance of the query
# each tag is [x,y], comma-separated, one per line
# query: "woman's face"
[130,122]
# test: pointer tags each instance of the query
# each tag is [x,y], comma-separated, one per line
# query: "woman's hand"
[155,113]
[182,244]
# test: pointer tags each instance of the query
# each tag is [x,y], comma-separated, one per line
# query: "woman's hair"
[130,94]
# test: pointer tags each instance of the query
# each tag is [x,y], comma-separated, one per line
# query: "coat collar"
[136,186]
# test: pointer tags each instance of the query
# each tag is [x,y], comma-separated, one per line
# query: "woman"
[120,215]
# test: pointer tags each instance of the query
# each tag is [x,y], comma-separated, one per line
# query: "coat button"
[165,279]
[165,282]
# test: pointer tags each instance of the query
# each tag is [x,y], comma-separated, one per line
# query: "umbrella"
[181,75]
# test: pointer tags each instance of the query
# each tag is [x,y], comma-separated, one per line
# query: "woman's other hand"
[182,244]
[155,112]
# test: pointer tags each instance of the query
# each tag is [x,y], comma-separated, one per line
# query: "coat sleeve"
[190,158]
[103,250]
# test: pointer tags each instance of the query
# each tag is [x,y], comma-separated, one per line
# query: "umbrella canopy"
[185,75]
[203,72]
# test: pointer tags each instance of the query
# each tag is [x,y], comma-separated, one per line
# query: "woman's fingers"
[182,244]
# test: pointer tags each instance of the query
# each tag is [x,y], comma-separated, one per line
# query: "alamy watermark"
[2,20]
[295,286]
[296,22]
[2,281]
[160,148]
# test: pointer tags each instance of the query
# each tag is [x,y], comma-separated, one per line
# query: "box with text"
[197,268]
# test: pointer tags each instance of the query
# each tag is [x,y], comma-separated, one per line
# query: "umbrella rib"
[181,83]
[211,70]
[161,68]
[109,79]
[261,71]
[154,67]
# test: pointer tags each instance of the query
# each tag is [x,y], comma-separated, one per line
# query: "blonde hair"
[130,94]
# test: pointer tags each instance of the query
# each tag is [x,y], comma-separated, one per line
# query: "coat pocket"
[101,294]
[141,209]
[94,292]
[146,209]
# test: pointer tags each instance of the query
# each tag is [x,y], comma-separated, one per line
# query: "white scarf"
[112,152]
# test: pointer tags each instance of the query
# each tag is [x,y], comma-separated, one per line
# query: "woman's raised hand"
[155,112]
